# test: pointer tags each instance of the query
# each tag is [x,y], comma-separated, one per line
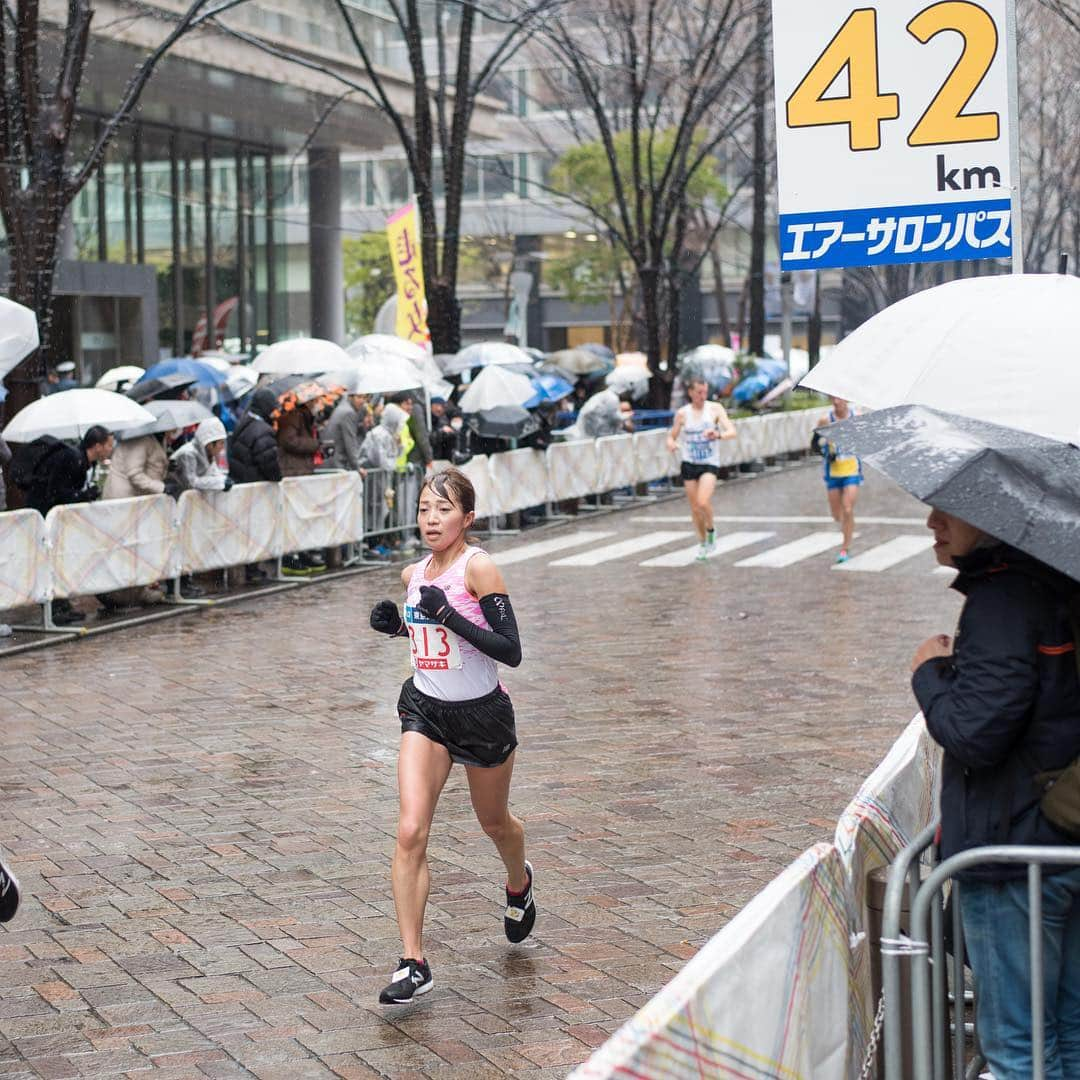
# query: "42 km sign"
[892,131]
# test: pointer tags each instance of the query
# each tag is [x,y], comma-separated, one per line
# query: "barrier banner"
[229,528]
[573,469]
[519,479]
[766,997]
[652,459]
[615,462]
[321,511]
[112,544]
[478,470]
[24,561]
[896,802]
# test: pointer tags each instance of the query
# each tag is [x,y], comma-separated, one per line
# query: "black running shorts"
[691,471]
[479,731]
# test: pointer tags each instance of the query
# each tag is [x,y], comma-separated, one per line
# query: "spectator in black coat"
[253,451]
[1003,701]
[253,454]
[54,474]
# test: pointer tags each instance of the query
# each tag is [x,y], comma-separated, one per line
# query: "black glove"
[386,618]
[433,603]
[228,483]
[172,487]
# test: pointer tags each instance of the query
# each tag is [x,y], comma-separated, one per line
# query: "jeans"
[995,917]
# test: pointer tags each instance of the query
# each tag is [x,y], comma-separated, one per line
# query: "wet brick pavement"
[201,810]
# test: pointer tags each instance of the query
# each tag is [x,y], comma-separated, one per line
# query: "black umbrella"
[1019,488]
[503,422]
[159,386]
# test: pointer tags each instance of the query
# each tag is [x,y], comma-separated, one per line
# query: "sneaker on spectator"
[253,575]
[64,614]
[293,566]
[313,562]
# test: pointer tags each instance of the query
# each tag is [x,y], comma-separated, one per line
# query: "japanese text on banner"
[409,275]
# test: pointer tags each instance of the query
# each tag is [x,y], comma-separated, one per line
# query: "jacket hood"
[209,430]
[393,418]
[263,404]
[995,558]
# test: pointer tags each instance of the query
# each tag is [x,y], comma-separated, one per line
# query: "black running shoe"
[412,978]
[9,894]
[520,915]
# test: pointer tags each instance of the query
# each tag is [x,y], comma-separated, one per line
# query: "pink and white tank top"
[446,666]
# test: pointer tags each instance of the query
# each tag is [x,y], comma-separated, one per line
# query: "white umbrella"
[1001,349]
[69,414]
[18,334]
[118,378]
[578,361]
[388,345]
[301,356]
[496,386]
[488,354]
[387,376]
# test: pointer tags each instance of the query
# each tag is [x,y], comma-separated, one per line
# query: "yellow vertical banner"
[409,275]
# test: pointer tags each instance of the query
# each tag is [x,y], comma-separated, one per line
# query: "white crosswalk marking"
[787,554]
[724,544]
[775,519]
[549,547]
[623,548]
[893,551]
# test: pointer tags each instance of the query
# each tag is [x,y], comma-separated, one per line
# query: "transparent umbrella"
[301,356]
[69,414]
[487,354]
[496,386]
[388,375]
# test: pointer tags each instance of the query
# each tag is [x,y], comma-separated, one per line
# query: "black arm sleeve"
[501,642]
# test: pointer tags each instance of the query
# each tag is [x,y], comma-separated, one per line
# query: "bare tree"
[453,64]
[656,86]
[1050,150]
[38,118]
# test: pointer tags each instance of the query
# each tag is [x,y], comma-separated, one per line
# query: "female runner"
[459,622]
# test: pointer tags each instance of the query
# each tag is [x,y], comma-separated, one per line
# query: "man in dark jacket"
[253,450]
[253,454]
[1003,700]
[52,473]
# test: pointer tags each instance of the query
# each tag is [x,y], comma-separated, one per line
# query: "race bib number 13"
[434,648]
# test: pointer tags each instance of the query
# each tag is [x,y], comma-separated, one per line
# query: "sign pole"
[1014,139]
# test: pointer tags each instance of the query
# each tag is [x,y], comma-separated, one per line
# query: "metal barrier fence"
[95,548]
[935,986]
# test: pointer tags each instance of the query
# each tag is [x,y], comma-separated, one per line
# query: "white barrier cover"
[652,459]
[320,511]
[519,479]
[896,802]
[766,997]
[478,470]
[229,528]
[573,469]
[615,462]
[24,563]
[112,544]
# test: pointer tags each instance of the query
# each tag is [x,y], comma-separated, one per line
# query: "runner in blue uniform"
[843,475]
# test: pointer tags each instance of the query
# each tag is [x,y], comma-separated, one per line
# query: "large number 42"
[863,110]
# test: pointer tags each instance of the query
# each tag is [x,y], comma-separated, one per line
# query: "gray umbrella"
[1019,488]
[169,416]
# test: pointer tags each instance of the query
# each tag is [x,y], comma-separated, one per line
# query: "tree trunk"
[756,344]
[649,277]
[721,296]
[813,330]
[444,317]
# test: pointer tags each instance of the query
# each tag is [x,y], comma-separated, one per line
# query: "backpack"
[27,460]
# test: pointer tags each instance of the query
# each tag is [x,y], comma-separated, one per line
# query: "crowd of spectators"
[291,434]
